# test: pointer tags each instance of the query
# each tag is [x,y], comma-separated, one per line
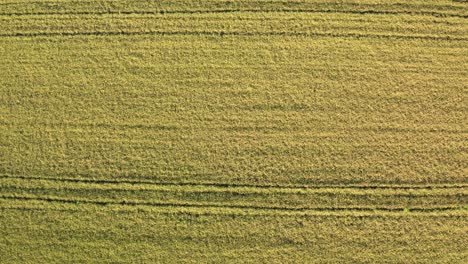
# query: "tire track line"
[234,185]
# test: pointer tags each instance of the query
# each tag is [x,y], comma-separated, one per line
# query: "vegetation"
[233,131]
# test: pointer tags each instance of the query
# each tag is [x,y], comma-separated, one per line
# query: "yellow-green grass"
[235,109]
[233,131]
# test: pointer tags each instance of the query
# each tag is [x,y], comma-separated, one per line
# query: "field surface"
[216,131]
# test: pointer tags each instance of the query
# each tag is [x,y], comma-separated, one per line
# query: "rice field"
[289,131]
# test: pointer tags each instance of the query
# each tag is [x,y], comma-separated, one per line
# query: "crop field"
[233,131]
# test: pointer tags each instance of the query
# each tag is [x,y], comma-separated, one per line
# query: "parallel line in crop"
[230,33]
[172,127]
[136,12]
[234,193]
[42,206]
[274,197]
[212,205]
[235,198]
[46,183]
[63,186]
[19,208]
[236,185]
[309,199]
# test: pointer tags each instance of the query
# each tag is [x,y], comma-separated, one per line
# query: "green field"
[243,131]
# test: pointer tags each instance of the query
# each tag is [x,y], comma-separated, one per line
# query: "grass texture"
[300,131]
